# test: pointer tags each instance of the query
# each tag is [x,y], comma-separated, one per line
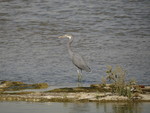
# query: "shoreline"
[15,91]
[70,97]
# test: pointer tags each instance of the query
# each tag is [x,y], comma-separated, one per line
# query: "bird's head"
[66,36]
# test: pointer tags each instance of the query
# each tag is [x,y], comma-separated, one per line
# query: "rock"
[146,89]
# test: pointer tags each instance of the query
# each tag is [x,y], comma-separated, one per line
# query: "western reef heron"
[77,59]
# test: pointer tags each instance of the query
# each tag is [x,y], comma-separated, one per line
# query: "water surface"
[23,107]
[107,32]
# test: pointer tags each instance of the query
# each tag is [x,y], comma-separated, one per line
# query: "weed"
[119,85]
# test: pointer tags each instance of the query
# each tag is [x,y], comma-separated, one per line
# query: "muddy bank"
[93,93]
[17,86]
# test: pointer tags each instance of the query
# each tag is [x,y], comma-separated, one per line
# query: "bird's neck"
[69,46]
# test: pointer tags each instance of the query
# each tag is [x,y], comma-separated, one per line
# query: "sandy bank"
[75,94]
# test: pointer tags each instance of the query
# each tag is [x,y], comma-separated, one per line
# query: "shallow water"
[23,107]
[107,32]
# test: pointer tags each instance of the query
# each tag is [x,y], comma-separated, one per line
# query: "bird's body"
[77,59]
[79,62]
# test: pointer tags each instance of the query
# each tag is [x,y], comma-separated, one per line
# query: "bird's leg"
[79,75]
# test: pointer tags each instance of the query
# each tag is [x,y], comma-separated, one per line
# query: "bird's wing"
[80,62]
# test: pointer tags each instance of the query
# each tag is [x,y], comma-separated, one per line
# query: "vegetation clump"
[119,85]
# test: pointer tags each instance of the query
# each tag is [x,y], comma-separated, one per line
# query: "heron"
[77,59]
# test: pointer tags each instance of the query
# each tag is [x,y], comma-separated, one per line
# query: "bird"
[77,59]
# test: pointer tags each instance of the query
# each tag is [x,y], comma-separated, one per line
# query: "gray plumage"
[77,60]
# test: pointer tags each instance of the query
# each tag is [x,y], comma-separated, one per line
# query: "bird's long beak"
[61,37]
[65,36]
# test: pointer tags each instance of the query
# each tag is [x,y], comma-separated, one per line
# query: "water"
[107,32]
[24,107]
